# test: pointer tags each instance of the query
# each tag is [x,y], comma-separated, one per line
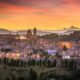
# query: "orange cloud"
[43,14]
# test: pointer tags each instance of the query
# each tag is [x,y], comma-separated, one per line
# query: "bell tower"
[35,31]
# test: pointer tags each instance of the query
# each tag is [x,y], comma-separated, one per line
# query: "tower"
[35,31]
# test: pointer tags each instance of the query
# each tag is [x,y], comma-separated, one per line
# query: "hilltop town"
[60,52]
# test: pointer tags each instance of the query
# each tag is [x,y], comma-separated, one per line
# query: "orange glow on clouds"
[43,14]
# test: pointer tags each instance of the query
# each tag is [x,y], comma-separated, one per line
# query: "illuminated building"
[68,44]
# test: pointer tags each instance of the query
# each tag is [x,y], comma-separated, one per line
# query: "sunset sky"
[43,14]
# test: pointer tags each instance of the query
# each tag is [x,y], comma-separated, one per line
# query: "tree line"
[59,63]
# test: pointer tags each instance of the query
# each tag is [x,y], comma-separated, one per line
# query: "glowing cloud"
[44,14]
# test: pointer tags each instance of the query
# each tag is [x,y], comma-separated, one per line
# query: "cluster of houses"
[32,46]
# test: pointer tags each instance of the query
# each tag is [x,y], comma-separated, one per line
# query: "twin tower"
[32,32]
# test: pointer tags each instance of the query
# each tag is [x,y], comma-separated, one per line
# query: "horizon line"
[71,27]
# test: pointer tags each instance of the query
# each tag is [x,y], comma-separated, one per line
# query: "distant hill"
[39,32]
[22,32]
[65,31]
[4,31]
[73,36]
[44,32]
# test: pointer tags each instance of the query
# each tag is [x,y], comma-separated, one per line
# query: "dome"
[29,33]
